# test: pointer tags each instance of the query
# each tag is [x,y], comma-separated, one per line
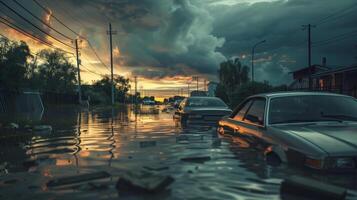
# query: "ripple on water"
[118,141]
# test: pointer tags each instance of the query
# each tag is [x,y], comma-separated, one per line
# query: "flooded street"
[119,141]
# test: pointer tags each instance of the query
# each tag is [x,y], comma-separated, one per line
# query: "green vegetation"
[51,71]
[234,85]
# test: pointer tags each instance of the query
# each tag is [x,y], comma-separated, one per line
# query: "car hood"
[209,110]
[334,139]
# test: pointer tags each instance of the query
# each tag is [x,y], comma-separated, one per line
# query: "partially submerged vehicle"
[201,110]
[316,130]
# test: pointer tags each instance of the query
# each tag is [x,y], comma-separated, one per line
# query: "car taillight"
[314,163]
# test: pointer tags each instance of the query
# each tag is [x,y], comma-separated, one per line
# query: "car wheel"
[183,122]
[273,159]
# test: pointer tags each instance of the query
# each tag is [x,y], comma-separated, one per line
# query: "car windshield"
[205,102]
[312,108]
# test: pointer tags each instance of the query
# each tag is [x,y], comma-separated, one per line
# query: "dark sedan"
[201,110]
[317,130]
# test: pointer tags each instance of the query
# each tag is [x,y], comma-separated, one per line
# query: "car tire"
[273,159]
[183,122]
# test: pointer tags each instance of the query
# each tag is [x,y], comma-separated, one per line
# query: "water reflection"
[129,139]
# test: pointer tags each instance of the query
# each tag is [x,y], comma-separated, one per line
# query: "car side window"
[256,112]
[240,114]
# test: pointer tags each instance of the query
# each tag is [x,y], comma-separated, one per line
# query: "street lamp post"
[253,49]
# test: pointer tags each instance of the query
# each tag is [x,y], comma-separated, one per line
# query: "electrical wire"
[39,19]
[38,28]
[24,32]
[54,17]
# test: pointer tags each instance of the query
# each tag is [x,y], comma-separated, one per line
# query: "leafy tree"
[56,72]
[104,87]
[252,88]
[231,75]
[13,64]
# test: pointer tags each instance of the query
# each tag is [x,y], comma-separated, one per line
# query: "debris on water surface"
[143,182]
[77,179]
[13,126]
[144,144]
[30,163]
[42,129]
[156,167]
[198,159]
[300,186]
[3,168]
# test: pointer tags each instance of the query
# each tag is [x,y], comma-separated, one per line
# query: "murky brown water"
[118,141]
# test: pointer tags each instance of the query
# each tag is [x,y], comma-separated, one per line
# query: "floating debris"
[144,144]
[143,182]
[13,126]
[3,168]
[199,159]
[42,129]
[30,163]
[77,179]
[300,186]
[156,167]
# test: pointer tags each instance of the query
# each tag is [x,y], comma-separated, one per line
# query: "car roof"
[202,97]
[292,93]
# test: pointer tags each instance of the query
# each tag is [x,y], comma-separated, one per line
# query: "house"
[342,79]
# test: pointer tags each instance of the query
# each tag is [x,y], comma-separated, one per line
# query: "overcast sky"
[168,41]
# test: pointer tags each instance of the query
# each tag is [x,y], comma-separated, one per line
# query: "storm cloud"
[167,38]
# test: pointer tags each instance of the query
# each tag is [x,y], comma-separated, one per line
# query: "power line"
[335,15]
[93,72]
[54,17]
[95,53]
[24,32]
[336,38]
[58,20]
[33,15]
[28,21]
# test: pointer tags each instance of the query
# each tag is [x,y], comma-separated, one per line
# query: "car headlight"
[194,116]
[341,162]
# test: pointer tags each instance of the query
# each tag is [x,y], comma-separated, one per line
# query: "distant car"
[201,110]
[317,130]
[148,102]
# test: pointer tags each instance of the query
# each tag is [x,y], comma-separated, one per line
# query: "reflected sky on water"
[121,140]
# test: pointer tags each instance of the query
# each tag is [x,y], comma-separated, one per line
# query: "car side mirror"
[253,119]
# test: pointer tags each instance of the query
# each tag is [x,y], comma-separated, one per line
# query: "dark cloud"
[165,38]
[279,22]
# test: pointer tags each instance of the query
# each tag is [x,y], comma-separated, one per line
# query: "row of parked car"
[316,130]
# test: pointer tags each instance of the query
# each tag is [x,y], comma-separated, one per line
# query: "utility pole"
[136,90]
[188,89]
[308,28]
[253,51]
[195,78]
[79,74]
[110,33]
[205,86]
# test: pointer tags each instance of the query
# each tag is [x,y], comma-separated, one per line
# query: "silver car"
[201,110]
[316,130]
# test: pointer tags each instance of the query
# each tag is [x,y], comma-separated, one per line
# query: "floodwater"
[119,141]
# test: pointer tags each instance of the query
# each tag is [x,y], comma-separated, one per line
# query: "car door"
[229,125]
[250,125]
[180,110]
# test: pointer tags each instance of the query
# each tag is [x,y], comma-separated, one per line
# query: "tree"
[13,64]
[231,75]
[104,86]
[56,73]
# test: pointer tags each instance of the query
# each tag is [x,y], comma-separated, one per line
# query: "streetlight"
[253,49]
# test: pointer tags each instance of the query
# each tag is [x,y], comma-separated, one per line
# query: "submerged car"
[201,110]
[316,130]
